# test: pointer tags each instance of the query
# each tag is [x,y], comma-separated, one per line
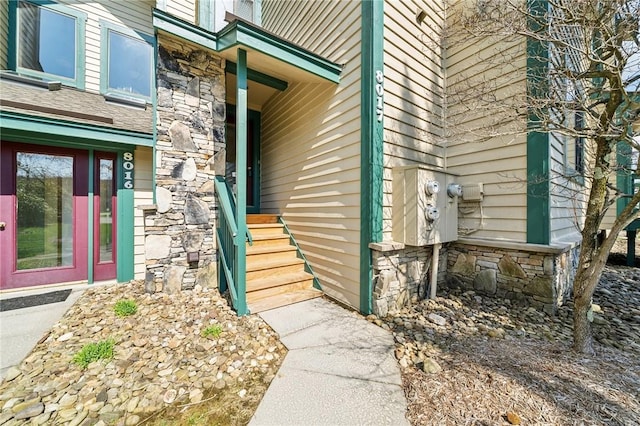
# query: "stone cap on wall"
[515,245]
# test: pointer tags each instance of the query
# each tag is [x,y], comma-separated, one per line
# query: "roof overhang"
[267,54]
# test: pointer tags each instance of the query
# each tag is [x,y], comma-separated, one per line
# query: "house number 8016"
[127,165]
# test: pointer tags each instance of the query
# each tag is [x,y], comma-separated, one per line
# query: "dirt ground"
[536,380]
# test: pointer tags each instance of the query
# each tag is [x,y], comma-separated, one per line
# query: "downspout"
[433,287]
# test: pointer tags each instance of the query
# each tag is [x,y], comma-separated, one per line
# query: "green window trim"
[105,29]
[13,46]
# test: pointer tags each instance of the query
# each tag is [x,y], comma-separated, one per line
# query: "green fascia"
[240,33]
[125,223]
[168,23]
[371,146]
[81,19]
[33,129]
[259,77]
[538,151]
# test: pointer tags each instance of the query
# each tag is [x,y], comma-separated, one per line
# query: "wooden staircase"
[276,276]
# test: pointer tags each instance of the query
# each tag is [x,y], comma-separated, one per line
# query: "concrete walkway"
[340,370]
[21,329]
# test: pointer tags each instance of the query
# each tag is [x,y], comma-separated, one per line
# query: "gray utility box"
[425,206]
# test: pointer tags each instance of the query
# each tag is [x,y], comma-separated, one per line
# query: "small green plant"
[93,352]
[124,308]
[212,331]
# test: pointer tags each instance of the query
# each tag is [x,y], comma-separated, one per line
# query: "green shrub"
[93,352]
[212,331]
[124,308]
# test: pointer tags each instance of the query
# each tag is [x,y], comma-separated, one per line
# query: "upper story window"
[48,42]
[127,62]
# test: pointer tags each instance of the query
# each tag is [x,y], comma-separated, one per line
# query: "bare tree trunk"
[582,337]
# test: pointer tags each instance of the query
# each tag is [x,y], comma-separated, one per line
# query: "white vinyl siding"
[183,9]
[486,143]
[142,195]
[131,14]
[413,91]
[4,34]
[310,148]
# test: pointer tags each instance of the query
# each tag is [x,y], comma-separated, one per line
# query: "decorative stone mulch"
[160,358]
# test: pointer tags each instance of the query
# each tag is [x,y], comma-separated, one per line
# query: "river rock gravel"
[161,357]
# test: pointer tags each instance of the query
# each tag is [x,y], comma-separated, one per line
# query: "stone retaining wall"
[401,275]
[180,246]
[538,276]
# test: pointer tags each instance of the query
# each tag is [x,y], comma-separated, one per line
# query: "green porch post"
[241,181]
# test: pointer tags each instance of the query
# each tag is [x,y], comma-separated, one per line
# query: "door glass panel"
[44,192]
[106,210]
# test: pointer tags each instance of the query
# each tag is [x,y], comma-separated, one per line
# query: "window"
[49,42]
[126,63]
[577,159]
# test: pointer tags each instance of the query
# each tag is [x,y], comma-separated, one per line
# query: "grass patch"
[124,308]
[94,352]
[212,331]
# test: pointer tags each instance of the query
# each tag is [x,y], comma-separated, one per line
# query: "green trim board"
[90,218]
[168,23]
[258,77]
[249,37]
[125,223]
[80,33]
[33,129]
[538,142]
[372,143]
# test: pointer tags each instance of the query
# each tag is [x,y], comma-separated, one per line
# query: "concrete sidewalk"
[21,329]
[340,370]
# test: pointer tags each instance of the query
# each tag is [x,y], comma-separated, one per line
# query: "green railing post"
[241,182]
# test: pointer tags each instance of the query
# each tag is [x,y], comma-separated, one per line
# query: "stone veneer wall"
[190,125]
[538,276]
[401,275]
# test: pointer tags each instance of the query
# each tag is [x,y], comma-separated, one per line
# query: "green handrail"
[232,269]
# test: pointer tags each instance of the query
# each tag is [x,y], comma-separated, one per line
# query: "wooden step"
[262,218]
[282,284]
[266,229]
[285,299]
[271,268]
[268,240]
[269,253]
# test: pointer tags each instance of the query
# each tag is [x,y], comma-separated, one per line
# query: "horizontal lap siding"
[143,195]
[413,91]
[486,142]
[565,212]
[4,35]
[183,9]
[310,149]
[130,14]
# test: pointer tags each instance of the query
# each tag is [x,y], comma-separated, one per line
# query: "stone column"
[180,243]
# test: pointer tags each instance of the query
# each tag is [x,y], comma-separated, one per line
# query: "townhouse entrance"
[46,215]
[253,156]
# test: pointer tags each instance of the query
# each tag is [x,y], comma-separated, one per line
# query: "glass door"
[43,215]
[104,217]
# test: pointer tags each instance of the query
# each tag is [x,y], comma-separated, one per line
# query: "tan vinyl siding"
[310,148]
[486,142]
[183,9]
[4,34]
[413,91]
[143,195]
[130,14]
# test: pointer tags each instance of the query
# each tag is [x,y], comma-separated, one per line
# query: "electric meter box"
[424,206]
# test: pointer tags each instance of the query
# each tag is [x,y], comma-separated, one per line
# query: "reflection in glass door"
[43,213]
[104,217]
[44,198]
